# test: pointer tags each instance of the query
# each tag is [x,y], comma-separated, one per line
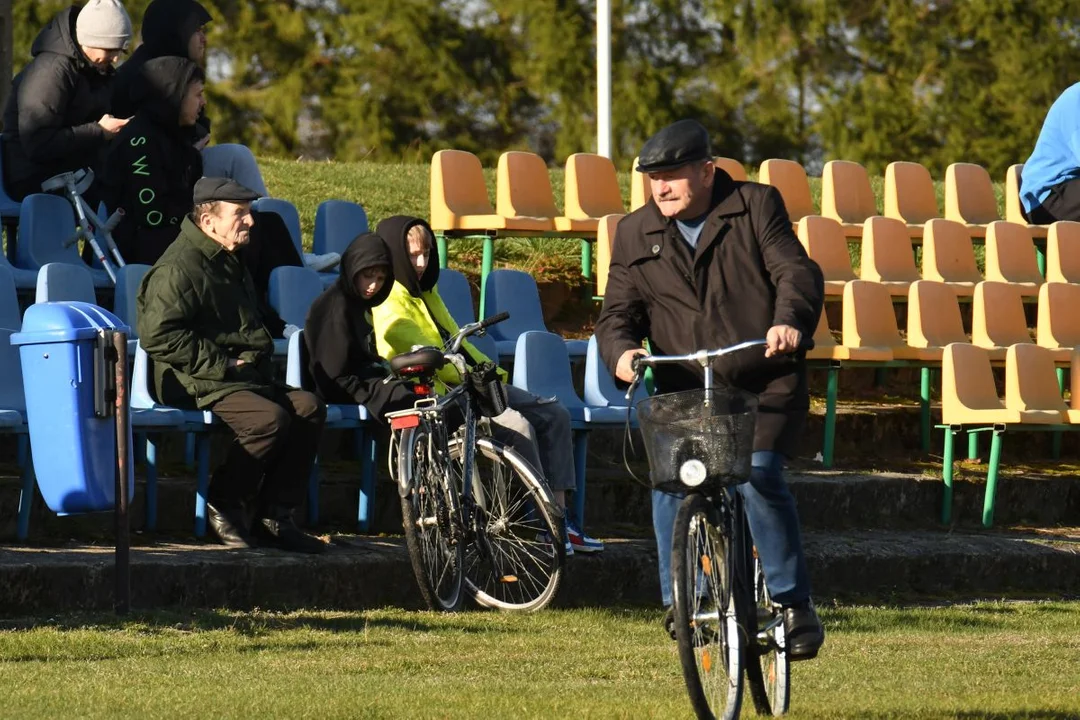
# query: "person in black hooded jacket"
[343,364]
[150,171]
[177,27]
[169,28]
[57,115]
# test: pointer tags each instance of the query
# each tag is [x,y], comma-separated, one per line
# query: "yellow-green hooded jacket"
[414,312]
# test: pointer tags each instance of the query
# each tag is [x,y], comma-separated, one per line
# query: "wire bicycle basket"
[698,439]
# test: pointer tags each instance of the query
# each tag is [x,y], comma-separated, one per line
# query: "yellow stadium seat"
[870,322]
[968,393]
[459,199]
[949,257]
[910,196]
[887,257]
[592,188]
[789,178]
[605,243]
[732,167]
[1031,386]
[826,348]
[933,316]
[1011,258]
[846,196]
[825,244]
[1013,211]
[1058,327]
[639,187]
[1063,252]
[969,197]
[997,318]
[523,189]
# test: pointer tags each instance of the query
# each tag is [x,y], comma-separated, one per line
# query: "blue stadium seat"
[337,223]
[600,390]
[10,314]
[291,291]
[455,293]
[338,417]
[128,279]
[542,366]
[60,282]
[197,422]
[288,213]
[515,292]
[13,422]
[25,280]
[46,224]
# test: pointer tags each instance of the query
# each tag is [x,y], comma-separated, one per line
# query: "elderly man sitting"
[199,321]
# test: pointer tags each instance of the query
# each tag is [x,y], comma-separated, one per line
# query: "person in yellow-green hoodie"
[414,314]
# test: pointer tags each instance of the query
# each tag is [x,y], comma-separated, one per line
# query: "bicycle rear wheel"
[706,622]
[516,557]
[429,519]
[768,667]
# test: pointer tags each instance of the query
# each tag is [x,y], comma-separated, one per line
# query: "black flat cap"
[219,189]
[681,142]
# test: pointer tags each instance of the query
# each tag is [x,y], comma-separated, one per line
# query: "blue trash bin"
[67,376]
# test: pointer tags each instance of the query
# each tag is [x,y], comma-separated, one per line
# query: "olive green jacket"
[197,309]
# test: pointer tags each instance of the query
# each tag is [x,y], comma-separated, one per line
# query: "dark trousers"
[1063,203]
[270,460]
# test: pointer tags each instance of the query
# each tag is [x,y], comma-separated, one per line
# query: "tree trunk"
[7,50]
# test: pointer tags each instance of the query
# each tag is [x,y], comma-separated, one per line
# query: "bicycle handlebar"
[701,357]
[454,343]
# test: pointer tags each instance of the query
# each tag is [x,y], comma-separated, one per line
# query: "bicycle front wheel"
[706,621]
[516,557]
[429,519]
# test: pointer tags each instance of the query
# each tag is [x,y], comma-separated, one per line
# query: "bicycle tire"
[768,667]
[710,648]
[428,520]
[509,565]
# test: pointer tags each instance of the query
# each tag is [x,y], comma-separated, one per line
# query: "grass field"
[990,661]
[386,190]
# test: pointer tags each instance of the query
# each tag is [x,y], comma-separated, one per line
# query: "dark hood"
[159,89]
[394,230]
[169,24]
[367,250]
[58,37]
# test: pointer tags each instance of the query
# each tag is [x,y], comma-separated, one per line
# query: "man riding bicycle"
[709,262]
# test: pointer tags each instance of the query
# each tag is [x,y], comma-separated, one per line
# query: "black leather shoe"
[229,524]
[282,532]
[803,631]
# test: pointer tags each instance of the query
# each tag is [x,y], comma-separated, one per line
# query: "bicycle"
[89,226]
[477,517]
[700,442]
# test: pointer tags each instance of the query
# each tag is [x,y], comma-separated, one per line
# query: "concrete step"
[366,572]
[617,506]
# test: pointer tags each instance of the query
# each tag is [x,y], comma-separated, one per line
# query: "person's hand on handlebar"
[782,339]
[624,370]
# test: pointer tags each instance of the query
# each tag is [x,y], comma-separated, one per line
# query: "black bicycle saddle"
[422,361]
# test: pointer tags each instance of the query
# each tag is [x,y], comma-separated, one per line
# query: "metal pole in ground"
[123,541]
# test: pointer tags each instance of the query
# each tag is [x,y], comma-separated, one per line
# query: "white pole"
[603,77]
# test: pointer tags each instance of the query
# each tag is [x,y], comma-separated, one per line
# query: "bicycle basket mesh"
[715,428]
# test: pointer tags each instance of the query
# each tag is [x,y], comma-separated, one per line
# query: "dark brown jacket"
[749,273]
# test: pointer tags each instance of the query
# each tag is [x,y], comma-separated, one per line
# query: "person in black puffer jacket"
[57,116]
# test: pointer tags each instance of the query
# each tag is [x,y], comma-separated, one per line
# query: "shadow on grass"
[250,624]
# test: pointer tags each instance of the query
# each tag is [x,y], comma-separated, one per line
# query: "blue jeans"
[774,526]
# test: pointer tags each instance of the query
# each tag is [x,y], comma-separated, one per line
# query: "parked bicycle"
[91,227]
[479,519]
[700,442]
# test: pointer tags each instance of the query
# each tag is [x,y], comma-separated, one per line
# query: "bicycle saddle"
[421,361]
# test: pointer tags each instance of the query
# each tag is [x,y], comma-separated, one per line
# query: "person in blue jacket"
[1049,187]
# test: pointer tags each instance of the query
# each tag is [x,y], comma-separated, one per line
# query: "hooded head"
[366,257]
[162,90]
[412,247]
[169,26]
